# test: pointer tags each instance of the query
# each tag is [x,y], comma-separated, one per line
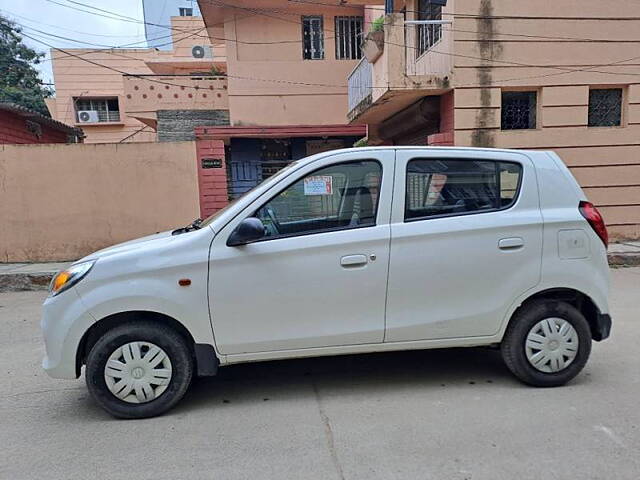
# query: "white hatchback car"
[349,251]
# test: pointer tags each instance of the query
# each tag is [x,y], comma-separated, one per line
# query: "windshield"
[273,178]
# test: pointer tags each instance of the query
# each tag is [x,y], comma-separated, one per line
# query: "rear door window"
[447,187]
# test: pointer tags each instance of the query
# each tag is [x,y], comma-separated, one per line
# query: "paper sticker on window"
[318,185]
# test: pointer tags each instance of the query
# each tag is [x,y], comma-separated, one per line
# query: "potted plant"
[374,41]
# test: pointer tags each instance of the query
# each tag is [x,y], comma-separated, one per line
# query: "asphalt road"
[447,414]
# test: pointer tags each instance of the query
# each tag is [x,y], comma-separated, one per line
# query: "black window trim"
[464,214]
[324,230]
[537,110]
[621,123]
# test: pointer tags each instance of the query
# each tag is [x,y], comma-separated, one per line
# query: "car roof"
[431,148]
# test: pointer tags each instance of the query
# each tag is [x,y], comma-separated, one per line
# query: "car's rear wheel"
[139,370]
[547,343]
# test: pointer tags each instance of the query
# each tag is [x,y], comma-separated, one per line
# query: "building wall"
[13,129]
[61,202]
[496,49]
[269,82]
[179,125]
[77,78]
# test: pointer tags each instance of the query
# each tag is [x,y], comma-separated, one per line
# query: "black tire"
[513,343]
[164,337]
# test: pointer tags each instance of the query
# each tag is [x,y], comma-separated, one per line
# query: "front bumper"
[602,328]
[64,322]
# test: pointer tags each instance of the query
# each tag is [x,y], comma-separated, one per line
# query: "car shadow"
[348,374]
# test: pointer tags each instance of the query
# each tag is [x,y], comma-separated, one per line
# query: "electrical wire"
[565,70]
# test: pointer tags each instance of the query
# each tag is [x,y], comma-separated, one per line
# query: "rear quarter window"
[449,187]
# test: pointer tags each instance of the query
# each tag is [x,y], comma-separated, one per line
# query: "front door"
[466,242]
[318,277]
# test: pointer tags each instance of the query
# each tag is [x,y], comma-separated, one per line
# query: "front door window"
[338,197]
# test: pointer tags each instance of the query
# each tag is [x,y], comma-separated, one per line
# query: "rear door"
[466,242]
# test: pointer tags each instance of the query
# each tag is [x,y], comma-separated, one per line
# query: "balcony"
[146,94]
[415,62]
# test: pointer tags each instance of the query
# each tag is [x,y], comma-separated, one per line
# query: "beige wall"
[605,160]
[269,82]
[61,202]
[76,78]
[81,75]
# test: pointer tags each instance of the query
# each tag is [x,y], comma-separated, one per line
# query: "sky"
[85,29]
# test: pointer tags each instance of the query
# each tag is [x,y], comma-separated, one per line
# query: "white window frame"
[105,115]
[348,32]
[315,25]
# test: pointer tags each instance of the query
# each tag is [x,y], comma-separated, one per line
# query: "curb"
[24,282]
[624,259]
[32,282]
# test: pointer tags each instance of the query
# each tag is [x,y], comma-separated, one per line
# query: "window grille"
[348,32]
[186,12]
[428,35]
[519,110]
[605,107]
[107,108]
[312,38]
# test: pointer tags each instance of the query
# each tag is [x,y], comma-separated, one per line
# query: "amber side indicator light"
[184,282]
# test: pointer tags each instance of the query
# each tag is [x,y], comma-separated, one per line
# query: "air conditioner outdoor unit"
[202,51]
[88,116]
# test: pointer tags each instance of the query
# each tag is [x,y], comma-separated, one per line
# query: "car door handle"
[512,243]
[353,260]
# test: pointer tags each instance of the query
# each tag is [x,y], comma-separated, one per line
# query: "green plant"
[19,80]
[377,25]
[363,142]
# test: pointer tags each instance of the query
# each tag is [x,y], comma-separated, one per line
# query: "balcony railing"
[360,85]
[149,93]
[426,48]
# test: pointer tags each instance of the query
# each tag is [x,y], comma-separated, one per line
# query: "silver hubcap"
[551,345]
[138,372]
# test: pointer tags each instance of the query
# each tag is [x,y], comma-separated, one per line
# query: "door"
[318,277]
[466,242]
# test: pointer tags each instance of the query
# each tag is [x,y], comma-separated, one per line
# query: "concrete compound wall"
[61,202]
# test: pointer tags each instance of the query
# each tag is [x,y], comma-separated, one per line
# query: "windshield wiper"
[195,225]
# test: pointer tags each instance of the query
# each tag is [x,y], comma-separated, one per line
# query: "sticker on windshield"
[318,185]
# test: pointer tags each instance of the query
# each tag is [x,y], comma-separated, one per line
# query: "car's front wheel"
[139,370]
[547,343]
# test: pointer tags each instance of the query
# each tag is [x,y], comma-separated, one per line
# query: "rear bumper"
[602,328]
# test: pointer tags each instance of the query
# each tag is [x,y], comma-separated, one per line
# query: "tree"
[19,80]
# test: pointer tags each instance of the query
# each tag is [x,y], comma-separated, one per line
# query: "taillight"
[592,215]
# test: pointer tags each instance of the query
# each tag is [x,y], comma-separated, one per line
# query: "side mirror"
[249,230]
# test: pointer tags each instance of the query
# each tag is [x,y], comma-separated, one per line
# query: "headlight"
[69,277]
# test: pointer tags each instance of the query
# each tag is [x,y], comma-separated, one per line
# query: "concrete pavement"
[449,414]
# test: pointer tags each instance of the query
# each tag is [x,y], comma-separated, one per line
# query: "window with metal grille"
[519,110]
[107,108]
[312,38]
[186,12]
[430,34]
[348,38]
[605,107]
